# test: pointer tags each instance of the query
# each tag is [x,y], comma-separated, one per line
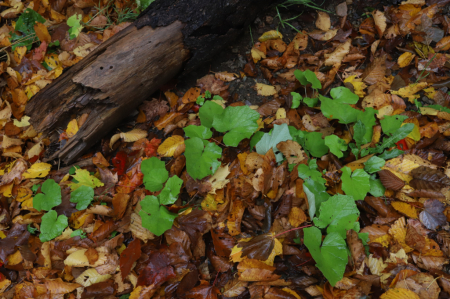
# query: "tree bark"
[169,38]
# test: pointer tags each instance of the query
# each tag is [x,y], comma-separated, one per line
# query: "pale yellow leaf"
[172,146]
[24,122]
[72,128]
[405,59]
[265,90]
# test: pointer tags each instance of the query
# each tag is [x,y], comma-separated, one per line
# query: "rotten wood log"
[169,38]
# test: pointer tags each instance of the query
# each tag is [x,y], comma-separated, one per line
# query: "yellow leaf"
[209,203]
[405,59]
[2,235]
[383,240]
[52,60]
[398,232]
[277,250]
[219,179]
[37,170]
[24,122]
[272,34]
[358,85]
[72,128]
[405,208]
[323,21]
[410,91]
[242,157]
[19,53]
[265,90]
[292,292]
[131,136]
[428,111]
[281,113]
[430,92]
[257,54]
[399,293]
[6,190]
[23,193]
[90,277]
[172,146]
[415,133]
[296,216]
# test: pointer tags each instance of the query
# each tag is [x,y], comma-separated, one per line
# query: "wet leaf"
[433,215]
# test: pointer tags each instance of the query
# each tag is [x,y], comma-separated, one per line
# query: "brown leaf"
[99,290]
[443,238]
[323,21]
[292,151]
[428,178]
[223,242]
[259,247]
[130,255]
[375,71]
[203,291]
[58,286]
[255,270]
[390,180]
[17,235]
[433,215]
[356,248]
[120,203]
[154,108]
[426,193]
[92,255]
[422,284]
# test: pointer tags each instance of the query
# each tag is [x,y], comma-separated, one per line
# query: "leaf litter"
[336,186]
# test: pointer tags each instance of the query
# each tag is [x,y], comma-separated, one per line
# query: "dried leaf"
[433,215]
[390,180]
[172,146]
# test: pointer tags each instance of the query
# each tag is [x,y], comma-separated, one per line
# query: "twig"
[285,232]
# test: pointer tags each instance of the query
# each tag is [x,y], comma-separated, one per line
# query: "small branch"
[285,232]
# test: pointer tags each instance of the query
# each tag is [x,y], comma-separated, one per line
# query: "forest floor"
[309,160]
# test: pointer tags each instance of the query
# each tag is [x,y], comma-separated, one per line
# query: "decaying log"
[169,38]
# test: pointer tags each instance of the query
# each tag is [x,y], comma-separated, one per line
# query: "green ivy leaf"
[270,140]
[171,190]
[332,257]
[316,193]
[255,139]
[208,94]
[296,100]
[31,230]
[386,155]
[359,130]
[198,131]
[83,197]
[339,214]
[376,187]
[200,101]
[374,164]
[311,102]
[49,198]
[239,122]
[52,225]
[208,112]
[25,24]
[310,172]
[300,77]
[74,22]
[336,145]
[143,4]
[390,124]
[344,95]
[201,160]
[367,117]
[335,110]
[357,185]
[315,144]
[155,218]
[78,233]
[312,78]
[155,173]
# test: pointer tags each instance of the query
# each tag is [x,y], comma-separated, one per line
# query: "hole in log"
[101,68]
[111,67]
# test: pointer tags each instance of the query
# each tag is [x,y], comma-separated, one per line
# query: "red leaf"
[119,162]
[151,147]
[203,291]
[157,271]
[127,258]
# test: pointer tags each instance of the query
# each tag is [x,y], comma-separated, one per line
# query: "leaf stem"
[304,262]
[285,232]
[217,275]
